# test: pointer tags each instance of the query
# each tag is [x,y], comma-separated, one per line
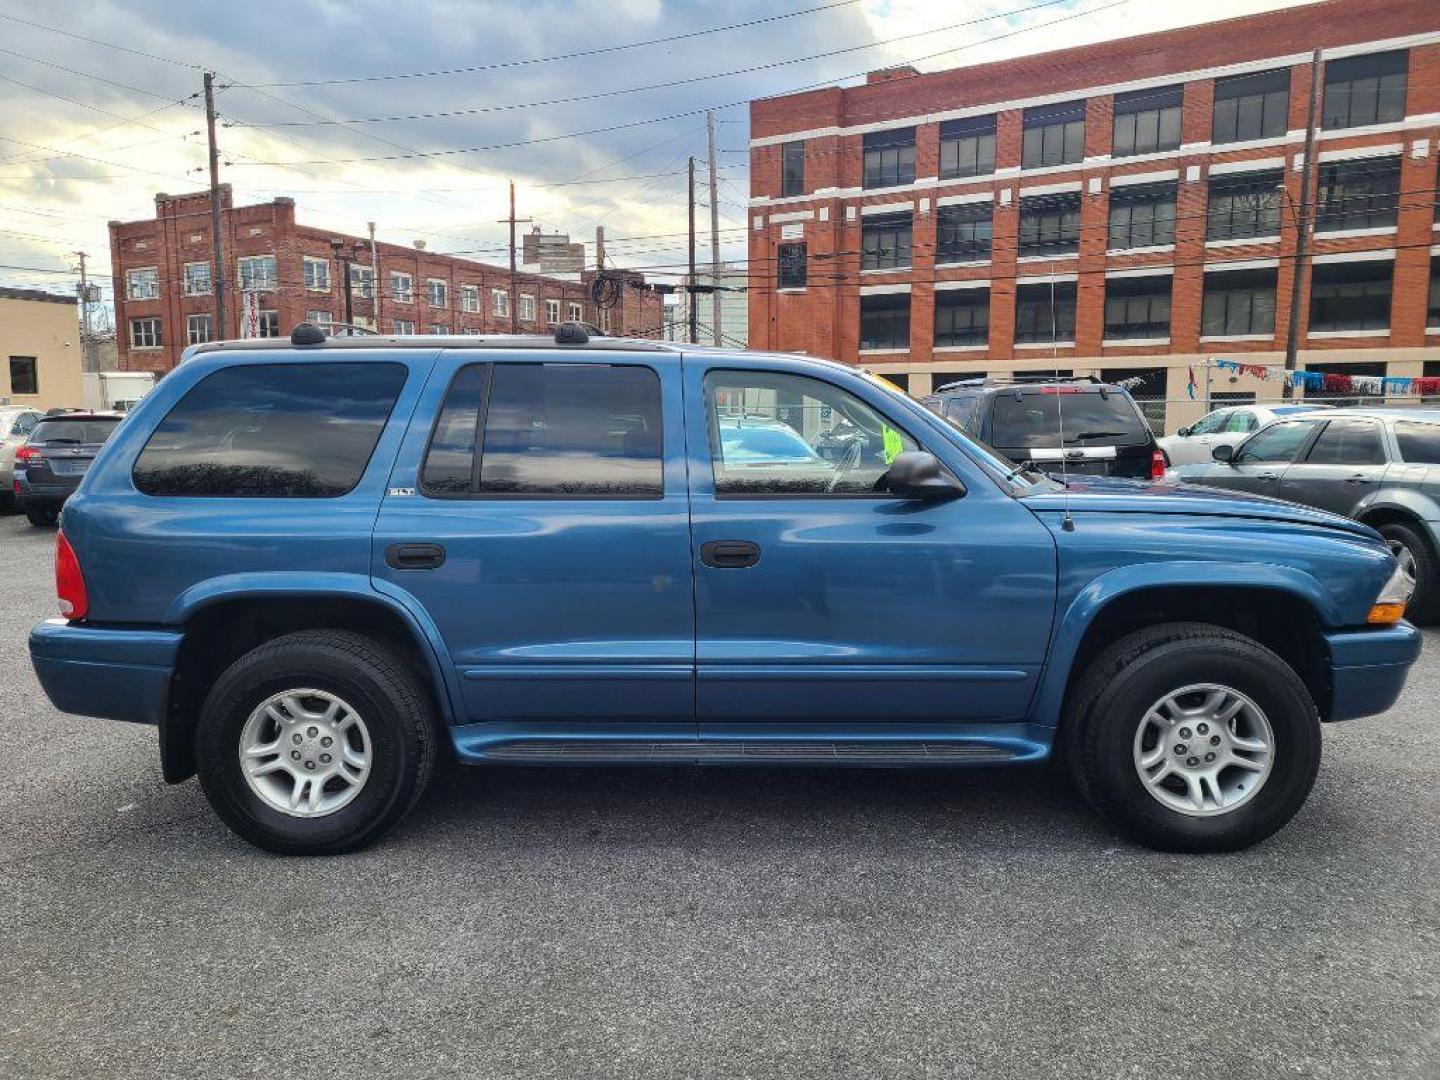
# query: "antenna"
[1067,523]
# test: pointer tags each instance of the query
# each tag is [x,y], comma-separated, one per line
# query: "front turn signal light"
[1385,614]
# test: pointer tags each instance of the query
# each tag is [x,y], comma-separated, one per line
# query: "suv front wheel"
[1190,737]
[315,743]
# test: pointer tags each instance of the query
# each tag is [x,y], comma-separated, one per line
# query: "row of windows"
[1359,194]
[1344,297]
[1359,91]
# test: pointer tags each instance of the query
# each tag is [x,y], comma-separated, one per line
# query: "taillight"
[69,581]
[25,453]
[1158,464]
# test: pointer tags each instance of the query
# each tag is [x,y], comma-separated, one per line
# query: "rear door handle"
[414,556]
[729,554]
[1358,478]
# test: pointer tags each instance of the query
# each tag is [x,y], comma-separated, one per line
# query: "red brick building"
[165,297]
[1130,205]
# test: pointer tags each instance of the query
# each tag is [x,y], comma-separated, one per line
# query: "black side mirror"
[1183,432]
[1225,454]
[918,475]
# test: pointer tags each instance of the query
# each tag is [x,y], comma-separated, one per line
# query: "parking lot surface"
[686,922]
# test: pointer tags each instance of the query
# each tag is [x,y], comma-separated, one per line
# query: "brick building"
[164,295]
[1126,207]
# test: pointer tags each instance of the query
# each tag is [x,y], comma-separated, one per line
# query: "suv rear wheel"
[1190,737]
[315,743]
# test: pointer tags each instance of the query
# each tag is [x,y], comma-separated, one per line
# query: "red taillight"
[25,453]
[69,581]
[1158,465]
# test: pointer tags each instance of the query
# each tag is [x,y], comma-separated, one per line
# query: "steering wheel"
[848,462]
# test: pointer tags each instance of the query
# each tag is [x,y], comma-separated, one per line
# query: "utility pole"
[512,220]
[374,279]
[87,340]
[1302,225]
[690,311]
[218,282]
[716,338]
[599,247]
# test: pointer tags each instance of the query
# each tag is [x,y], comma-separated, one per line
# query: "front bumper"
[113,674]
[1368,668]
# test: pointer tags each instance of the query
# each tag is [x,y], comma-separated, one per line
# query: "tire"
[40,518]
[1110,715]
[1424,606]
[397,737]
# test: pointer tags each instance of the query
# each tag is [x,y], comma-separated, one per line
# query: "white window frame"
[576,311]
[150,276]
[437,287]
[404,326]
[315,273]
[470,298]
[397,294]
[527,307]
[322,319]
[190,323]
[185,279]
[499,303]
[439,328]
[268,283]
[552,312]
[365,322]
[362,281]
[153,321]
[267,317]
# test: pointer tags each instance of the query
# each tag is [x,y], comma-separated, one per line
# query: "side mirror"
[1183,432]
[1225,454]
[918,475]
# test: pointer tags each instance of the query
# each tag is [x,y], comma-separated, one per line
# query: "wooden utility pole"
[599,247]
[87,341]
[716,338]
[690,310]
[374,280]
[514,273]
[1302,224]
[217,282]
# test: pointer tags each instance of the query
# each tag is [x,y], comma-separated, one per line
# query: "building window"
[1362,90]
[1147,121]
[889,158]
[1239,302]
[1137,307]
[1432,311]
[605,320]
[791,271]
[316,273]
[402,287]
[319,318]
[963,232]
[1251,106]
[24,375]
[1244,205]
[362,281]
[885,241]
[1045,312]
[404,326]
[1050,224]
[527,308]
[364,322]
[499,302]
[576,312]
[1142,215]
[437,293]
[269,324]
[257,273]
[552,311]
[967,147]
[439,328]
[962,317]
[198,329]
[1361,194]
[470,298]
[1054,135]
[145,334]
[1351,296]
[142,284]
[792,169]
[885,321]
[197,279]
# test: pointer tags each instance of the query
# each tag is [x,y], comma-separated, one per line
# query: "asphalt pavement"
[699,923]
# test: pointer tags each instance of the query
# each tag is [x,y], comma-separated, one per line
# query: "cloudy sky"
[441,103]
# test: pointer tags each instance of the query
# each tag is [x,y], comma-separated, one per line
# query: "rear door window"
[1348,442]
[1279,442]
[1419,443]
[272,431]
[1032,418]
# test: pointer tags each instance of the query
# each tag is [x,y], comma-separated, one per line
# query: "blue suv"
[321,566]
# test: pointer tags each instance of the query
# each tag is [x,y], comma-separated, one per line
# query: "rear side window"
[1278,442]
[1348,442]
[1032,418]
[73,432]
[272,431]
[960,411]
[1419,443]
[573,431]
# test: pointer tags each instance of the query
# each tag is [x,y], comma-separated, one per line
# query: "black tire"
[365,674]
[1424,606]
[39,517]
[1129,677]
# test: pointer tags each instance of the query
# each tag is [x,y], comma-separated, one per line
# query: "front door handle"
[414,556]
[729,554]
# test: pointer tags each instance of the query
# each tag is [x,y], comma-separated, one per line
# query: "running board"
[722,751]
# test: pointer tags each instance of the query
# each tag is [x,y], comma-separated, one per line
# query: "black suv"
[1104,432]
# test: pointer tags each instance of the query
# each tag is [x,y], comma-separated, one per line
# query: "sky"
[441,104]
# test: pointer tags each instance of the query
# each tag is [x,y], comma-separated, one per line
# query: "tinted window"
[574,430]
[960,411]
[450,461]
[1277,443]
[1033,418]
[1208,425]
[1251,106]
[1348,442]
[272,430]
[73,431]
[1419,443]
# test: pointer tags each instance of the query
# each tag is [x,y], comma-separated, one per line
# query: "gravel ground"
[705,923]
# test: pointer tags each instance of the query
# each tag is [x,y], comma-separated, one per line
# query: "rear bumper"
[1368,668]
[111,674]
[43,496]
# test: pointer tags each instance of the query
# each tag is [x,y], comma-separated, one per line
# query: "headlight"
[1389,606]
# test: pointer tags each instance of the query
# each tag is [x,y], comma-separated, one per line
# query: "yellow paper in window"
[893,444]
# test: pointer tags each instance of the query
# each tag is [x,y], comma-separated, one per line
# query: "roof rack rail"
[1017,379]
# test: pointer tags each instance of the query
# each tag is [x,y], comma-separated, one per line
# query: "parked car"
[319,565]
[51,463]
[1192,445]
[1378,466]
[15,428]
[1105,434]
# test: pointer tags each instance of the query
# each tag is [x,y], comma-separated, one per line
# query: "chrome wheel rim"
[305,753]
[1204,750]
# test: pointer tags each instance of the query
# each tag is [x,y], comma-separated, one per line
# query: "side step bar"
[793,751]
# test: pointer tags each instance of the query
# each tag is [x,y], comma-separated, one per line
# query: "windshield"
[1032,418]
[73,431]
